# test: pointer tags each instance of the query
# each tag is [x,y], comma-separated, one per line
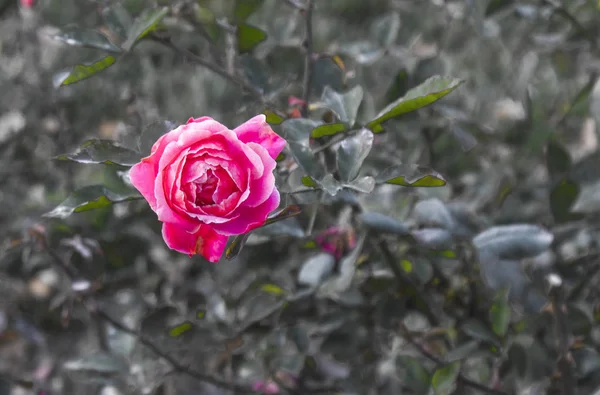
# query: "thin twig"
[257,93]
[404,280]
[461,378]
[179,367]
[565,363]
[308,61]
[98,313]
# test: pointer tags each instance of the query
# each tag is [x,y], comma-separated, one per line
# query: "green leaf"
[90,198]
[87,38]
[413,374]
[344,105]
[273,118]
[558,159]
[385,29]
[562,197]
[255,72]
[328,129]
[273,289]
[248,37]
[479,331]
[102,152]
[308,181]
[143,25]
[152,132]
[411,176]
[399,87]
[207,20]
[181,329]
[82,71]
[245,8]
[500,312]
[118,19]
[327,72]
[444,379]
[428,92]
[297,132]
[352,153]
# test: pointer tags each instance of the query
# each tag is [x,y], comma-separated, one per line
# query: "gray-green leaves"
[411,176]
[102,152]
[89,198]
[443,381]
[344,106]
[352,153]
[423,95]
[143,25]
[83,71]
[87,38]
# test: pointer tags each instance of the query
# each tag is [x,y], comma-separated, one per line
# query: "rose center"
[205,190]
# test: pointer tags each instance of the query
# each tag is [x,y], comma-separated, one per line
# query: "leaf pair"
[122,25]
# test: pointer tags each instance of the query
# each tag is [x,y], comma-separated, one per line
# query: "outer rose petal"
[257,130]
[261,188]
[205,241]
[142,177]
[249,218]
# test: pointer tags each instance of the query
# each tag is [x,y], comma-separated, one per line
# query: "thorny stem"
[308,61]
[461,378]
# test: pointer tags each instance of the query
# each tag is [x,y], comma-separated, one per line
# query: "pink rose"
[206,182]
[266,388]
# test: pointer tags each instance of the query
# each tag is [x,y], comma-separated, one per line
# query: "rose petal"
[249,218]
[142,177]
[261,188]
[205,241]
[201,119]
[257,130]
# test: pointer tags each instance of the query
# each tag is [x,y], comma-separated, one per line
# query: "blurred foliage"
[438,230]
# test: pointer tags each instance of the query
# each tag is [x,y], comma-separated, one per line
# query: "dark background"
[517,143]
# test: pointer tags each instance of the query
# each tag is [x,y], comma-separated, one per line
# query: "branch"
[563,337]
[99,314]
[461,378]
[308,61]
[177,366]
[404,280]
[257,93]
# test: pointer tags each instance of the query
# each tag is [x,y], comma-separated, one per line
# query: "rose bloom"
[206,182]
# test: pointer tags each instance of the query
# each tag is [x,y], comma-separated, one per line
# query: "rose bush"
[206,182]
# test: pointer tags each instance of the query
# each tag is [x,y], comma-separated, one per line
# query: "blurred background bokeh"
[517,143]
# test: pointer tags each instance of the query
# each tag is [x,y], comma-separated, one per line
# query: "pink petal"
[201,119]
[257,130]
[261,188]
[142,176]
[205,241]
[147,169]
[249,218]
